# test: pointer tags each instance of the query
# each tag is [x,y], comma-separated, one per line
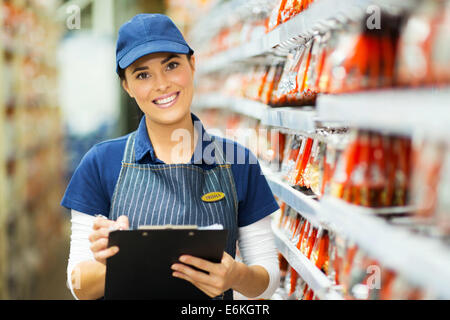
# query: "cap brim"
[152,47]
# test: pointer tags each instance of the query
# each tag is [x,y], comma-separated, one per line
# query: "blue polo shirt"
[92,185]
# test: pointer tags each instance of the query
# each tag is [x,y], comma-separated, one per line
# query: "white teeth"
[166,100]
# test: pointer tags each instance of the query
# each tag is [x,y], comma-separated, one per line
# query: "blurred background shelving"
[56,64]
[349,122]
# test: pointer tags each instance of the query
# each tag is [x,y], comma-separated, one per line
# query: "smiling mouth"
[167,101]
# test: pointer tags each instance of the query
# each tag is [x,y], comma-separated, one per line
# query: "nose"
[161,84]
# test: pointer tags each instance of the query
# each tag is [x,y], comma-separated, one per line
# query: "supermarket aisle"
[51,282]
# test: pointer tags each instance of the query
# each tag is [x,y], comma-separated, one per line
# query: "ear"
[126,88]
[192,62]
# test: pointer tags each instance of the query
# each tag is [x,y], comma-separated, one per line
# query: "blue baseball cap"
[148,33]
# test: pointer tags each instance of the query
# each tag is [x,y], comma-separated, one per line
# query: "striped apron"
[159,194]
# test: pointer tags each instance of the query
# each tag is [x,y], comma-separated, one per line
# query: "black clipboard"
[141,269]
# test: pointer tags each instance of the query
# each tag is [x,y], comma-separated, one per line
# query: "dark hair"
[121,71]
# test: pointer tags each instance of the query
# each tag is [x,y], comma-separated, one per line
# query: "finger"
[198,263]
[100,233]
[105,254]
[195,275]
[102,223]
[99,245]
[123,223]
[210,291]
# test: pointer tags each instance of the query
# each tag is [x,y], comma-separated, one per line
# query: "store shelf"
[303,120]
[316,17]
[306,205]
[399,111]
[424,261]
[250,108]
[315,278]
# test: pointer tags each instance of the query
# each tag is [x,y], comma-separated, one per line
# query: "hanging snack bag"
[272,100]
[443,196]
[413,63]
[288,10]
[440,48]
[427,174]
[275,16]
[292,85]
[319,255]
[302,161]
[340,184]
[296,96]
[377,196]
[279,98]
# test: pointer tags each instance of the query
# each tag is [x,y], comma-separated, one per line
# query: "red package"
[319,254]
[273,100]
[275,16]
[302,161]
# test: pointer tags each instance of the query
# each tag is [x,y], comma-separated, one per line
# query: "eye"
[172,65]
[142,76]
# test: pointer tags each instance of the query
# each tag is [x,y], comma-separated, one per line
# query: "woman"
[146,177]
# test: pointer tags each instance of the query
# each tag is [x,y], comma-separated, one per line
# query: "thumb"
[123,223]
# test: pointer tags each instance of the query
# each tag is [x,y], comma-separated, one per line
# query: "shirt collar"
[144,151]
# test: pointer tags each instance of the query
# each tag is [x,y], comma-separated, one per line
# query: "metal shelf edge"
[311,274]
[424,261]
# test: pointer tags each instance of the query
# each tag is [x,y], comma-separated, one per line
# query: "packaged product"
[440,49]
[318,54]
[443,196]
[298,230]
[403,161]
[288,10]
[340,183]
[273,101]
[302,161]
[429,158]
[415,44]
[319,255]
[292,85]
[293,148]
[266,93]
[277,145]
[279,96]
[329,166]
[304,229]
[304,95]
[377,181]
[387,279]
[311,173]
[275,16]
[296,96]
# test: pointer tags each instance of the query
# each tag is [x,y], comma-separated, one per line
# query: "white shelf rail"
[424,261]
[306,205]
[316,279]
[400,111]
[285,117]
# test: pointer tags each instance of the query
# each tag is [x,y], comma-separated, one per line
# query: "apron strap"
[128,155]
[218,151]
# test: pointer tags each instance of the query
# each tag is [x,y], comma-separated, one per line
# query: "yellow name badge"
[213,196]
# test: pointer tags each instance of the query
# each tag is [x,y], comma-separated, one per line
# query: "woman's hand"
[221,276]
[99,237]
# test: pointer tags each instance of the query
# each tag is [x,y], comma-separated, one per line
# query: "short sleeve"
[256,197]
[85,192]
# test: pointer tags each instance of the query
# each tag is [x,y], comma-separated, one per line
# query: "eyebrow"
[162,62]
[139,69]
[169,58]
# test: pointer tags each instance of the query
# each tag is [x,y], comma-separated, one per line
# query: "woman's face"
[162,85]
